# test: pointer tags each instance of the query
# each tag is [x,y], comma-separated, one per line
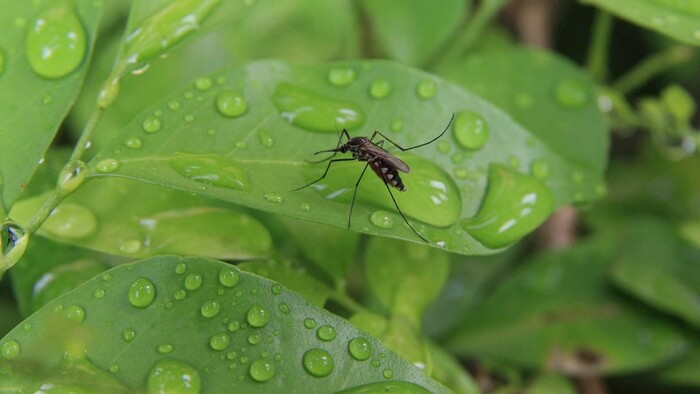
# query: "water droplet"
[284,308]
[318,362]
[461,172]
[180,268]
[341,76]
[107,166]
[426,89]
[231,104]
[381,219]
[56,42]
[151,124]
[309,323]
[514,161]
[396,125]
[261,370]
[142,292]
[388,374]
[326,333]
[70,221]
[234,326]
[254,339]
[276,289]
[540,169]
[106,277]
[74,313]
[265,138]
[360,349]
[180,294]
[210,308]
[376,363]
[128,334]
[130,246]
[241,145]
[470,130]
[99,293]
[211,132]
[219,341]
[174,105]
[203,83]
[10,350]
[114,368]
[172,376]
[164,348]
[305,206]
[47,99]
[514,205]
[133,142]
[572,93]
[193,281]
[380,88]
[308,110]
[257,316]
[273,198]
[228,276]
[212,170]
[72,176]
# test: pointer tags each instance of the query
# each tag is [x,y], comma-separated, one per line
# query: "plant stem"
[597,63]
[483,15]
[652,66]
[85,136]
[44,211]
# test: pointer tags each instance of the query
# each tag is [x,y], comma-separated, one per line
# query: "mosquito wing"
[387,157]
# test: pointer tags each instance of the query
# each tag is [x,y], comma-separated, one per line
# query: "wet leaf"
[296,279]
[231,335]
[45,49]
[245,139]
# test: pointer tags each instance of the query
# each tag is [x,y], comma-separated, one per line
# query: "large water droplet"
[172,376]
[341,76]
[308,110]
[572,93]
[210,308]
[514,205]
[107,166]
[360,349]
[10,350]
[381,219]
[261,370]
[231,104]
[211,169]
[228,276]
[470,130]
[142,292]
[193,281]
[426,89]
[70,221]
[219,341]
[56,43]
[380,88]
[72,176]
[318,362]
[13,242]
[257,316]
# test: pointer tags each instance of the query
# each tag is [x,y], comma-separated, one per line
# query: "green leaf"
[234,141]
[685,371]
[678,19]
[656,266]
[405,277]
[296,279]
[547,94]
[551,384]
[134,219]
[448,371]
[37,89]
[558,311]
[10,316]
[230,335]
[413,31]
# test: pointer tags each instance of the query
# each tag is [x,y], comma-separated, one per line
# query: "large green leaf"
[243,135]
[413,31]
[232,335]
[679,19]
[135,219]
[45,48]
[547,94]
[559,311]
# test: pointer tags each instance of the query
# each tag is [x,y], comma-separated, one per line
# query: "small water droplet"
[318,362]
[234,326]
[99,293]
[180,268]
[360,349]
[571,93]
[326,333]
[426,89]
[74,313]
[341,76]
[284,308]
[151,124]
[114,368]
[276,289]
[180,294]
[241,145]
[540,169]
[380,88]
[10,350]
[56,43]
[396,125]
[174,105]
[210,308]
[228,276]
[231,104]
[203,83]
[257,316]
[388,374]
[381,219]
[265,138]
[164,348]
[189,118]
[254,339]
[107,166]
[461,172]
[212,170]
[47,99]
[443,147]
[172,376]
[471,130]
[261,370]
[193,281]
[309,323]
[130,246]
[142,292]
[273,198]
[219,341]
[305,206]
[128,334]
[72,176]
[133,142]
[71,221]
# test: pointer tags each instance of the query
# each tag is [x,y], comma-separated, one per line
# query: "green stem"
[85,136]
[652,66]
[471,32]
[44,211]
[597,63]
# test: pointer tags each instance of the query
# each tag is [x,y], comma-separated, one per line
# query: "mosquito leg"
[417,146]
[354,194]
[340,141]
[325,172]
[402,215]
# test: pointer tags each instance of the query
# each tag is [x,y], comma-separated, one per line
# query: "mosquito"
[383,163]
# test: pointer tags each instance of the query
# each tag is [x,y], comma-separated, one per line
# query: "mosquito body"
[383,163]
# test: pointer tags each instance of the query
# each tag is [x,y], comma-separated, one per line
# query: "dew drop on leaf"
[172,376]
[74,313]
[71,221]
[326,333]
[276,289]
[305,206]
[142,292]
[231,104]
[426,89]
[381,219]
[265,138]
[165,348]
[443,147]
[309,323]
[151,124]
[228,276]
[203,83]
[99,293]
[470,130]
[211,169]
[284,308]
[56,42]
[360,349]
[254,339]
[180,294]
[210,308]
[341,76]
[193,281]
[273,198]
[180,268]
[10,350]
[461,172]
[174,105]
[388,374]
[128,334]
[257,316]
[107,166]
[380,88]
[571,93]
[130,246]
[318,362]
[261,370]
[219,341]
[234,326]
[133,142]
[540,169]
[72,176]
